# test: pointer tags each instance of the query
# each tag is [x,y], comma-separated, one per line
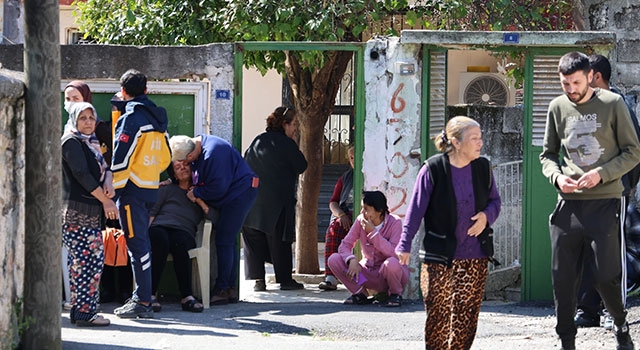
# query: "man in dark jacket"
[589,301]
[141,152]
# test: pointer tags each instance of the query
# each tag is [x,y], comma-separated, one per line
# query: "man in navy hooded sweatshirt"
[140,153]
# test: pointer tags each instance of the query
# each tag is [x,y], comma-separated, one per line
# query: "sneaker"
[607,321]
[623,337]
[133,309]
[327,285]
[583,320]
[291,285]
[260,286]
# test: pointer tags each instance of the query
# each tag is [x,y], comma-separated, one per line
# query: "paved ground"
[314,319]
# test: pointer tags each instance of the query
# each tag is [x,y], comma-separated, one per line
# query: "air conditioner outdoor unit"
[486,89]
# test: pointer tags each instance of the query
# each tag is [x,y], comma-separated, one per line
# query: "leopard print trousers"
[452,300]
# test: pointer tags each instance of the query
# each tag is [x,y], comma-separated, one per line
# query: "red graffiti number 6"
[397,103]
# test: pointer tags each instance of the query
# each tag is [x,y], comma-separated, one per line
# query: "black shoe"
[219,297]
[260,286]
[291,285]
[327,285]
[568,344]
[133,309]
[623,337]
[583,320]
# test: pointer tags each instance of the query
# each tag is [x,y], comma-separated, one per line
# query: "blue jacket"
[141,148]
[222,174]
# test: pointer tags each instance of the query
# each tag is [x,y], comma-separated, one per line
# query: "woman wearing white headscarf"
[87,191]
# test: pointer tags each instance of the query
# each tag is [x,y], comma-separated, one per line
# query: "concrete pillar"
[42,292]
[392,131]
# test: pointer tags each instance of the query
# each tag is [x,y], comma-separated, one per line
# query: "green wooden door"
[542,84]
[180,110]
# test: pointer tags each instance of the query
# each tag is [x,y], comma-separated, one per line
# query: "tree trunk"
[314,95]
[311,137]
[42,283]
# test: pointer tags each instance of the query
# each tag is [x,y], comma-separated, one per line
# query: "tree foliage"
[314,77]
[189,22]
[494,15]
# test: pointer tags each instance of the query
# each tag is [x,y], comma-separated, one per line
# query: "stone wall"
[502,132]
[12,194]
[622,18]
[213,62]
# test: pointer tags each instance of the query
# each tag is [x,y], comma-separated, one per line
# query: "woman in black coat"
[269,229]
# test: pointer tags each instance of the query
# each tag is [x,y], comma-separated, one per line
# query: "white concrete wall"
[67,22]
[260,96]
[392,130]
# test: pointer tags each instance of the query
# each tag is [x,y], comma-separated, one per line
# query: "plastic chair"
[200,261]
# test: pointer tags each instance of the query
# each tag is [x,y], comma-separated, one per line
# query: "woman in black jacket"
[269,229]
[87,191]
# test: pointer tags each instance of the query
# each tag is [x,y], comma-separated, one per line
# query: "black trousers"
[259,247]
[576,226]
[589,300]
[165,241]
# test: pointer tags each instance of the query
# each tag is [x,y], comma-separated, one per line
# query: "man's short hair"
[601,64]
[181,145]
[133,82]
[573,62]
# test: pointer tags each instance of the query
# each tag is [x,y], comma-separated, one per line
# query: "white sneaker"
[607,321]
[66,306]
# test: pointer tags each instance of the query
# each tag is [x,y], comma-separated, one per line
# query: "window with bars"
[338,131]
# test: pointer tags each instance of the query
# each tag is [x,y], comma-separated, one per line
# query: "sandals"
[192,305]
[95,321]
[155,305]
[394,300]
[358,299]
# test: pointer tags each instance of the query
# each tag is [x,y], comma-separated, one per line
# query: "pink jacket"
[377,246]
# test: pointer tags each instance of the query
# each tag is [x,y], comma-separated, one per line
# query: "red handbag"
[115,247]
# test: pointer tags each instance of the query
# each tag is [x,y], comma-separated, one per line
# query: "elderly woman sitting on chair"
[174,222]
